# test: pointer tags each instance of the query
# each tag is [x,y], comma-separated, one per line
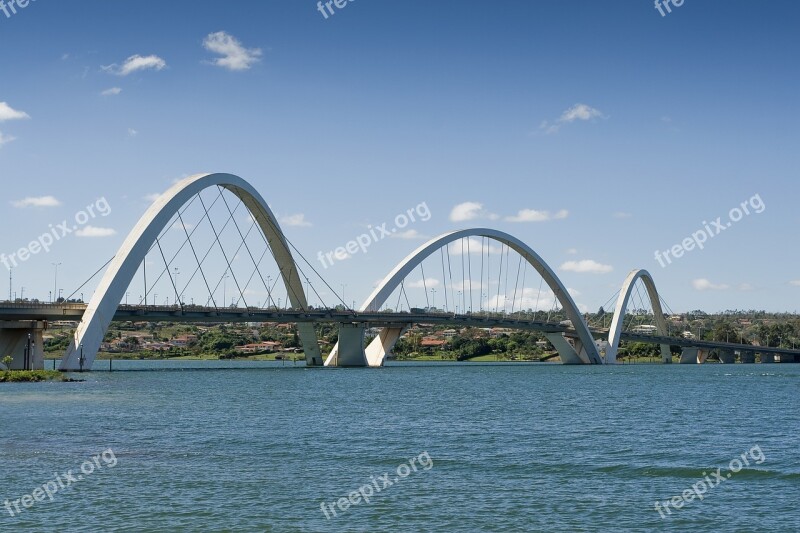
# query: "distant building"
[264,346]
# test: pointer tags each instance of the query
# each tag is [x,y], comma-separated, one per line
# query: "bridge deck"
[74,312]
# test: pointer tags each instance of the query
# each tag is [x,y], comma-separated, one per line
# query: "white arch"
[376,351]
[100,310]
[615,331]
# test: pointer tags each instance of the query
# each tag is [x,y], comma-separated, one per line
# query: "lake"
[464,447]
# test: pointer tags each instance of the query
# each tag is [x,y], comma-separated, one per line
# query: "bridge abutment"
[24,342]
[747,357]
[382,345]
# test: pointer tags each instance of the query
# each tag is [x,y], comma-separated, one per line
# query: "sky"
[598,133]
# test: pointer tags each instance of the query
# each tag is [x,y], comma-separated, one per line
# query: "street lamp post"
[55,278]
[177,286]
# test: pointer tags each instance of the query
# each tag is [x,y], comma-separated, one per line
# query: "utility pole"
[9,284]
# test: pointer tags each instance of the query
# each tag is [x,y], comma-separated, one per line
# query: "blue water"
[227,446]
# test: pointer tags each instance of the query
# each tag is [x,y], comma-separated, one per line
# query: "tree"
[7,360]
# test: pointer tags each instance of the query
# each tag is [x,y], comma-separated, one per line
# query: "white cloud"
[113,91]
[37,201]
[529,215]
[93,231]
[298,220]
[136,63]
[572,251]
[152,197]
[702,284]
[795,282]
[411,234]
[745,287]
[234,55]
[421,284]
[586,266]
[132,132]
[474,245]
[7,113]
[470,211]
[532,215]
[576,112]
[5,139]
[177,225]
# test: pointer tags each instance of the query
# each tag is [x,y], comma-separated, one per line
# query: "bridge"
[500,256]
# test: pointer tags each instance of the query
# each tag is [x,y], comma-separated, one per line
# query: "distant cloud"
[152,197]
[113,91]
[572,251]
[177,225]
[411,234]
[795,282]
[298,220]
[234,55]
[577,112]
[430,283]
[136,63]
[532,215]
[8,113]
[37,201]
[132,132]
[470,211]
[622,214]
[5,139]
[584,266]
[93,231]
[745,287]
[702,284]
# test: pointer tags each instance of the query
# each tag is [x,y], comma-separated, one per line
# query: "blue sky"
[630,129]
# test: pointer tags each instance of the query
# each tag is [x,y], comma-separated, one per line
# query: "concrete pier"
[24,342]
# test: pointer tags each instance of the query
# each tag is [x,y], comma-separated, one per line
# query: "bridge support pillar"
[767,358]
[382,344]
[727,357]
[747,357]
[351,346]
[308,336]
[565,350]
[14,342]
[691,356]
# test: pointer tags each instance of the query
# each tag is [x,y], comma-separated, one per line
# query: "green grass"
[21,376]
